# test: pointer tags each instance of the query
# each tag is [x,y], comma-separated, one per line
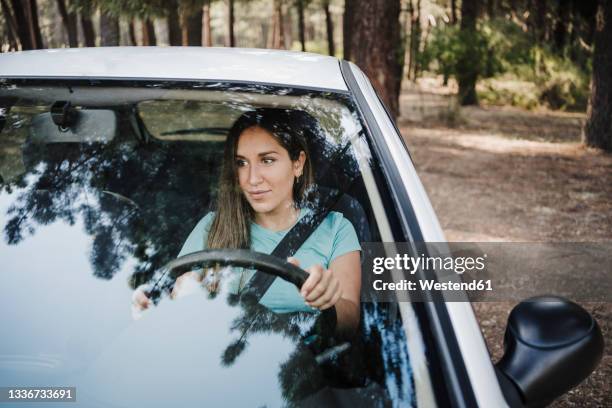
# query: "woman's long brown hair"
[231,225]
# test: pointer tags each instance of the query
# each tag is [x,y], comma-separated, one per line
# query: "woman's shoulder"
[205,222]
[333,221]
[342,235]
[336,219]
[333,225]
[196,239]
[208,218]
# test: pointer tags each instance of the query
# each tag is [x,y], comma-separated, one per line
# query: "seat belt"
[259,284]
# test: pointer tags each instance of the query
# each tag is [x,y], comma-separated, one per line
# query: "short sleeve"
[345,240]
[196,239]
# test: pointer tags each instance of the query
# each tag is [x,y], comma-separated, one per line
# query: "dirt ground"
[503,174]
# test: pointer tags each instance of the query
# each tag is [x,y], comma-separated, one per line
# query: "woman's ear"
[298,165]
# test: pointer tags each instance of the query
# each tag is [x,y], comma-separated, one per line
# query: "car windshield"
[102,184]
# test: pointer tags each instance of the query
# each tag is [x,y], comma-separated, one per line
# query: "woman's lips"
[258,195]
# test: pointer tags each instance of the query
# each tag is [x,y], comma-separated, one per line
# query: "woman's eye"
[268,160]
[241,163]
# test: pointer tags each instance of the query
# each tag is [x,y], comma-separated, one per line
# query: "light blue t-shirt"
[335,236]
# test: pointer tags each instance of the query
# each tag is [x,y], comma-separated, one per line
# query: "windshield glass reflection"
[86,223]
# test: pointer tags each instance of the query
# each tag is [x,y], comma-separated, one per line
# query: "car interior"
[101,127]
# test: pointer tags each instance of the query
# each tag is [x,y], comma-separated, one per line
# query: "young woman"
[264,187]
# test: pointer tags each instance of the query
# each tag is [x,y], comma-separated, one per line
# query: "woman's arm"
[338,286]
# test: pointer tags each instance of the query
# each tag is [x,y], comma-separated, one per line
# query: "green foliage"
[562,84]
[452,52]
[442,52]
[510,90]
[502,50]
[544,79]
[511,46]
[131,8]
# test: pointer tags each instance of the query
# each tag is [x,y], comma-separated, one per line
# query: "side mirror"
[551,345]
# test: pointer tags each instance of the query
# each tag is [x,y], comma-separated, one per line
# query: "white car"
[110,156]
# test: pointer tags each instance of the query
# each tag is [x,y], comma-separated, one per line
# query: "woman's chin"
[261,207]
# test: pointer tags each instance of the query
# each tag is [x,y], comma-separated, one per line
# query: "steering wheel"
[242,258]
[251,260]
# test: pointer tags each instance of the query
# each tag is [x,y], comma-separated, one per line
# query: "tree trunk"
[453,12]
[347,28]
[574,53]
[540,20]
[278,35]
[132,32]
[301,31]
[425,39]
[191,26]
[34,26]
[331,49]
[206,27]
[21,23]
[109,30]
[598,127]
[13,35]
[26,19]
[410,38]
[231,40]
[490,66]
[560,31]
[375,46]
[148,33]
[529,20]
[467,70]
[491,9]
[88,31]
[70,23]
[174,24]
[265,28]
[416,41]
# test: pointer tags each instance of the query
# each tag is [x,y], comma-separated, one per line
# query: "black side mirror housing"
[551,344]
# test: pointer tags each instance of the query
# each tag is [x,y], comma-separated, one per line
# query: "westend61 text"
[406,285]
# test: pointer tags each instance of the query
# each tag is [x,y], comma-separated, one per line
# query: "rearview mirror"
[551,345]
[89,125]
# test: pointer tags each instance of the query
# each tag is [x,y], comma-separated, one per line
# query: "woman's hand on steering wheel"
[140,296]
[322,289]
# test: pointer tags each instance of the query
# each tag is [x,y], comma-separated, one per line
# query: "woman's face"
[266,173]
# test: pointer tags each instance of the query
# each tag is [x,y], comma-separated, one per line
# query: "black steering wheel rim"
[242,258]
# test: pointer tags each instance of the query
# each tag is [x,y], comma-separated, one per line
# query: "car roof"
[297,69]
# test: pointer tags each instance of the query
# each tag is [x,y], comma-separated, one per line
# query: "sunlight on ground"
[498,144]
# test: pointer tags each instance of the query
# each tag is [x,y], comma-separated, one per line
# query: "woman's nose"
[254,176]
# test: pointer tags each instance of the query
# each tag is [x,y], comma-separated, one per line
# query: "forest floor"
[503,174]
